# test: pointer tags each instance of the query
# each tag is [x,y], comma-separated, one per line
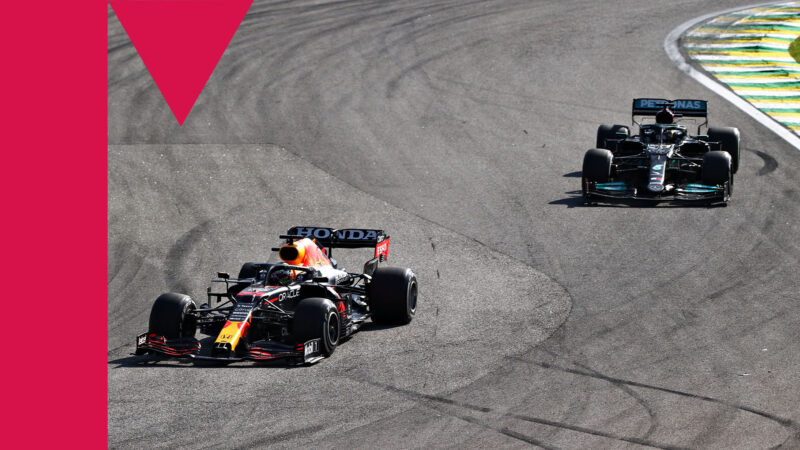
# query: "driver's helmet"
[665,116]
[281,277]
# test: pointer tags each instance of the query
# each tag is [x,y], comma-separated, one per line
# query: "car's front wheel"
[717,168]
[317,318]
[596,167]
[173,316]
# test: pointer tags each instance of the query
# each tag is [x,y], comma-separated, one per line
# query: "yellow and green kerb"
[754,53]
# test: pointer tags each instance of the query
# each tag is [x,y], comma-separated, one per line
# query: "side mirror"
[223,275]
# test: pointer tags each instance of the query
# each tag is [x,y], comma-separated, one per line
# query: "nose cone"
[655,187]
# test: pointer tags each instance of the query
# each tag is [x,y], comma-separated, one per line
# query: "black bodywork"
[664,162]
[268,311]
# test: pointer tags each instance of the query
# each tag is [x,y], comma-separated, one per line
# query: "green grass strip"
[718,39]
[753,74]
[772,16]
[734,28]
[750,48]
[794,49]
[765,26]
[735,62]
[758,58]
[747,64]
[766,98]
[719,70]
[790,84]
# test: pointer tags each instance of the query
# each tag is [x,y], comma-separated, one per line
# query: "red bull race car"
[665,161]
[298,309]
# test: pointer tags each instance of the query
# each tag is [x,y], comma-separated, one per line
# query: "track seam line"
[429,401]
[767,415]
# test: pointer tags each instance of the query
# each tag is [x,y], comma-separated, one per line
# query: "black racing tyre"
[729,138]
[317,318]
[173,316]
[605,132]
[716,168]
[597,165]
[392,295]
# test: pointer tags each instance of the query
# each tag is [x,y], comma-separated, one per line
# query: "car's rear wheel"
[173,316]
[717,168]
[729,139]
[392,295]
[317,318]
[606,132]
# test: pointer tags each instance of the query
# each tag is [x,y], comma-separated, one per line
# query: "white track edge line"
[674,53]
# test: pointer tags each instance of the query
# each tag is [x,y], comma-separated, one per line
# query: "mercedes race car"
[664,162]
[298,309]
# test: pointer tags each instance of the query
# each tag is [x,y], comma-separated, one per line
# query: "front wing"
[690,192]
[308,352]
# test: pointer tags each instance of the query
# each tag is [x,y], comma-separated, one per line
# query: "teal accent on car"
[700,188]
[613,186]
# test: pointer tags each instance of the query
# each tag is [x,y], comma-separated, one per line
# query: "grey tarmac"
[459,127]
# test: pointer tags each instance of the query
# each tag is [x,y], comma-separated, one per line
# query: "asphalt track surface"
[459,127]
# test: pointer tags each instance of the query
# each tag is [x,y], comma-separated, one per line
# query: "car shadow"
[372,326]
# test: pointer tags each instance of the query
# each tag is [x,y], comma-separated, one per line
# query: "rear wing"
[683,107]
[343,238]
[680,107]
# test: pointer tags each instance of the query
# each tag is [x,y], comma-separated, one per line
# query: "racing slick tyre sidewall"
[392,295]
[609,132]
[317,318]
[717,168]
[173,316]
[596,166]
[729,138]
